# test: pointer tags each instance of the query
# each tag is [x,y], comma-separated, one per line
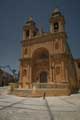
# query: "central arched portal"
[40,65]
[43,77]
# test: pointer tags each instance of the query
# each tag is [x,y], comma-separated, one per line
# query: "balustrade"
[50,85]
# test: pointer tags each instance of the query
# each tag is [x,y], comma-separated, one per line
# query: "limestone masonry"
[47,65]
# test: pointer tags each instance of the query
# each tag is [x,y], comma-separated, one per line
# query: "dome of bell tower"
[56,21]
[30,29]
[30,21]
[56,12]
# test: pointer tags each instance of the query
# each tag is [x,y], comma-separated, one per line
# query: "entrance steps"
[39,92]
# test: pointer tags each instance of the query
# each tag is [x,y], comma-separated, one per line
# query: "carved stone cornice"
[46,37]
[62,56]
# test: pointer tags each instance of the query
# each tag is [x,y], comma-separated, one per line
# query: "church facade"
[47,62]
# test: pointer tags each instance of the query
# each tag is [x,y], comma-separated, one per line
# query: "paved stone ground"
[52,108]
[65,108]
[17,108]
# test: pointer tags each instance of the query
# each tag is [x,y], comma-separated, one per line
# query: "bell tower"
[62,63]
[29,32]
[30,29]
[56,21]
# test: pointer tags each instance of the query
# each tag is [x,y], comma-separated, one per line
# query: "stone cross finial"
[30,18]
[56,10]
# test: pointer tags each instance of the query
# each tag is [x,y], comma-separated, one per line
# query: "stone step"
[40,92]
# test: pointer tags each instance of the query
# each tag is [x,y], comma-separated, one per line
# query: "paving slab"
[20,108]
[65,107]
[24,108]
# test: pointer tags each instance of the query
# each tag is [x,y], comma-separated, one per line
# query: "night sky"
[14,14]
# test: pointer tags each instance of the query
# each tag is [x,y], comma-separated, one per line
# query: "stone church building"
[47,64]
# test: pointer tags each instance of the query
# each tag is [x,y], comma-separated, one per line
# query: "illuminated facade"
[46,61]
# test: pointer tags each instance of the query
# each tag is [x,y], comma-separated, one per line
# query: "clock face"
[56,26]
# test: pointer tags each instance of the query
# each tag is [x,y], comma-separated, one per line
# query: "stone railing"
[50,85]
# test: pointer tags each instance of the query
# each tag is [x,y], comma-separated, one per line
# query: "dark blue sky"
[13,15]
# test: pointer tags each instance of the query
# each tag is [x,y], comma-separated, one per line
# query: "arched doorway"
[43,77]
[40,65]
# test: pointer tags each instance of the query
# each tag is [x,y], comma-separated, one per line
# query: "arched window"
[56,27]
[43,56]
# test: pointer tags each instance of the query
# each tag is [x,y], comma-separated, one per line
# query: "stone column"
[50,71]
[29,76]
[29,72]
